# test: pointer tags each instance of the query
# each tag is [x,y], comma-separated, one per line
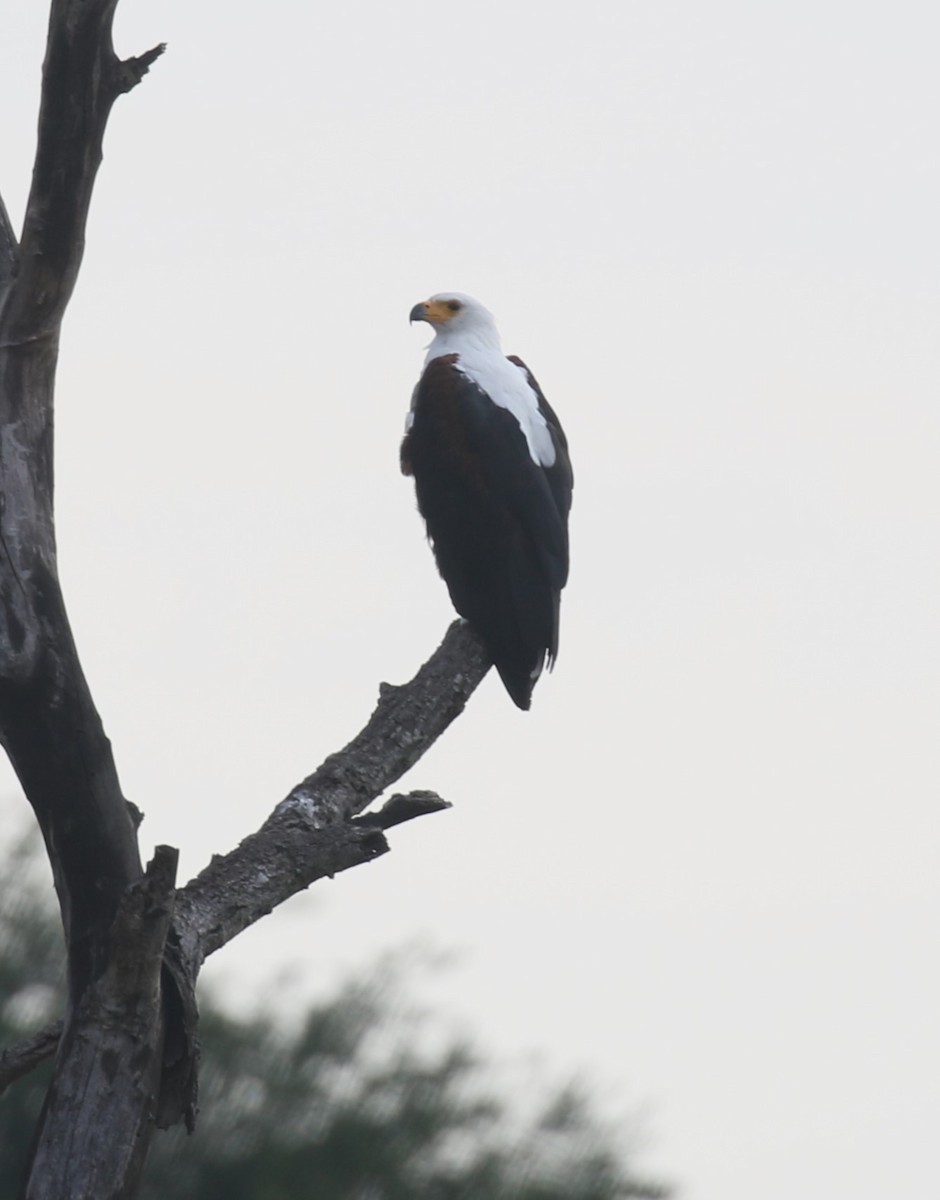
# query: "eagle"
[493,482]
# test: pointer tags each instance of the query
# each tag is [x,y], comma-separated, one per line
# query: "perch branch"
[311,833]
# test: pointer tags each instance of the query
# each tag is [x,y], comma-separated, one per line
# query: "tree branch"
[17,1061]
[132,70]
[82,77]
[400,808]
[311,833]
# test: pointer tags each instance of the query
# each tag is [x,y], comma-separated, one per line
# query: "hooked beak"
[419,312]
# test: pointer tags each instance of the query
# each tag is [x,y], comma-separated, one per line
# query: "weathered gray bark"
[126,1055]
[315,832]
[111,1050]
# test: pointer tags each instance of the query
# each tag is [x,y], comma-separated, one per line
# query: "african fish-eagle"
[493,481]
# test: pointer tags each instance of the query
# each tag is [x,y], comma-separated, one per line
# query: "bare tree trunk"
[48,722]
[127,1053]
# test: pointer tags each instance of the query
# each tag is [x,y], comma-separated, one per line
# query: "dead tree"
[126,1057]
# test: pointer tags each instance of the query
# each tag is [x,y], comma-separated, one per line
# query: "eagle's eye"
[454,305]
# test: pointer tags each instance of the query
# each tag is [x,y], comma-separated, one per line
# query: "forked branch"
[316,831]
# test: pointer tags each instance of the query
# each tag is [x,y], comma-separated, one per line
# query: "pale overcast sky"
[704,868]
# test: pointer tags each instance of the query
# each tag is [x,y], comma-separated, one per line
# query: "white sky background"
[704,867]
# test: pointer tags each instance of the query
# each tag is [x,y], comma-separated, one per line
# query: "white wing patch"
[507,386]
[410,414]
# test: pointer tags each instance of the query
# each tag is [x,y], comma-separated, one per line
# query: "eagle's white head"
[461,325]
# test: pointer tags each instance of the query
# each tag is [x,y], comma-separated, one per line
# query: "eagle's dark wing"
[497,519]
